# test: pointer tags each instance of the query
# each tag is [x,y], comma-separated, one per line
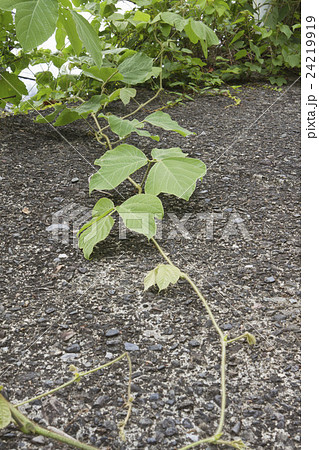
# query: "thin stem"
[100,132]
[136,185]
[29,427]
[223,341]
[129,402]
[76,378]
[146,173]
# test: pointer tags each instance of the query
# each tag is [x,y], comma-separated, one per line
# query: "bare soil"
[240,243]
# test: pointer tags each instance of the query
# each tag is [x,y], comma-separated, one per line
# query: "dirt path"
[240,241]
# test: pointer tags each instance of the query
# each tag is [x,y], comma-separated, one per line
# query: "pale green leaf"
[35,22]
[175,176]
[164,153]
[123,127]
[139,213]
[116,166]
[174,19]
[89,37]
[163,120]
[5,413]
[162,275]
[136,68]
[126,94]
[140,16]
[97,229]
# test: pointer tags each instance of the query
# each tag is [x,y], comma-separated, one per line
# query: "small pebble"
[74,180]
[112,332]
[156,347]
[270,279]
[73,348]
[130,347]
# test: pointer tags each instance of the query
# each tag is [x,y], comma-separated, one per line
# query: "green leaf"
[70,28]
[175,176]
[139,212]
[5,413]
[116,166]
[162,275]
[89,37]
[141,17]
[60,35]
[164,153]
[240,54]
[92,105]
[123,127]
[103,73]
[67,116]
[35,22]
[136,68]
[126,94]
[11,86]
[9,5]
[97,229]
[174,19]
[286,30]
[250,338]
[237,36]
[163,120]
[49,117]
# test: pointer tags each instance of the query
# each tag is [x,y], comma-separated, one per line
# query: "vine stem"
[27,426]
[223,342]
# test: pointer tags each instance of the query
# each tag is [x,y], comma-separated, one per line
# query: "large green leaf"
[97,229]
[139,212]
[126,94]
[174,19]
[89,37]
[136,68]
[92,105]
[116,166]
[162,275]
[35,22]
[11,86]
[69,26]
[164,153]
[124,127]
[163,120]
[5,413]
[102,74]
[175,176]
[67,116]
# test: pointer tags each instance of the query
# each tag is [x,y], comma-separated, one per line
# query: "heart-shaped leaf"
[162,275]
[139,212]
[35,21]
[175,176]
[97,229]
[116,166]
[163,120]
[164,153]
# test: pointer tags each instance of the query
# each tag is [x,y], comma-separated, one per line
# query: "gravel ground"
[238,238]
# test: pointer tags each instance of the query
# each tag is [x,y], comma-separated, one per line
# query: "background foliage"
[200,44]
